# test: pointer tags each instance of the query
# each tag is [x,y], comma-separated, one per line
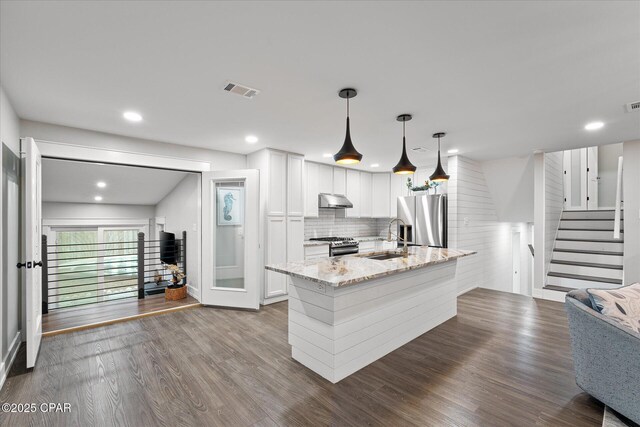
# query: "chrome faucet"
[405,249]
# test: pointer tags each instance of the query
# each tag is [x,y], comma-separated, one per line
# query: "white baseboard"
[7,362]
[274,299]
[549,295]
[467,290]
[194,292]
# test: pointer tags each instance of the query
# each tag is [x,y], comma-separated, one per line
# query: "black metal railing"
[79,274]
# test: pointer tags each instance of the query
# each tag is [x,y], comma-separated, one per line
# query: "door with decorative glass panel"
[230,244]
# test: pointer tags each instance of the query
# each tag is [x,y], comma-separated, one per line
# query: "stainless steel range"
[340,245]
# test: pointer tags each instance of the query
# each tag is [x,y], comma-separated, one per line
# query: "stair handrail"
[618,211]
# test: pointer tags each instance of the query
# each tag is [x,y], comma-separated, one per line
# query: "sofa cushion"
[622,304]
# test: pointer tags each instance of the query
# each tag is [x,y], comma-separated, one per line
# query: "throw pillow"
[622,304]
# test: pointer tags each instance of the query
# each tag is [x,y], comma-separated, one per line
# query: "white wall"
[631,197]
[608,174]
[54,210]
[474,225]
[510,182]
[181,210]
[10,294]
[219,160]
[554,202]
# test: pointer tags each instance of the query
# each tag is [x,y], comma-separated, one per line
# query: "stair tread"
[564,239]
[589,229]
[582,251]
[589,219]
[589,278]
[586,264]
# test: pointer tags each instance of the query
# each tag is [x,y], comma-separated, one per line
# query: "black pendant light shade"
[404,166]
[439,175]
[348,155]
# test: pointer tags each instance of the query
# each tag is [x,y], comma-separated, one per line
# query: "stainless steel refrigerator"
[426,218]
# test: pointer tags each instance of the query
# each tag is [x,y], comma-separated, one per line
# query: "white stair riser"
[586,271]
[590,214]
[589,234]
[591,246]
[579,284]
[595,258]
[594,225]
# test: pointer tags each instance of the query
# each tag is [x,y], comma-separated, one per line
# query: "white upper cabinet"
[339,181]
[312,189]
[318,179]
[381,195]
[277,171]
[295,184]
[365,195]
[353,193]
[398,189]
[325,179]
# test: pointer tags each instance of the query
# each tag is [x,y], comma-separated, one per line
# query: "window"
[92,264]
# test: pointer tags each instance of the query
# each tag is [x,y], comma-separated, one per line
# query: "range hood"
[333,201]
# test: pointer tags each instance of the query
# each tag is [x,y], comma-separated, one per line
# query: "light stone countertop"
[359,239]
[314,243]
[350,269]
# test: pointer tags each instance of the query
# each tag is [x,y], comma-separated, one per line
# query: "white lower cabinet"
[316,251]
[276,253]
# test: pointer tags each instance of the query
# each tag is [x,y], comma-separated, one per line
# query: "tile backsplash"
[327,224]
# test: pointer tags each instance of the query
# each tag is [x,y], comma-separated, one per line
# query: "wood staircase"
[585,254]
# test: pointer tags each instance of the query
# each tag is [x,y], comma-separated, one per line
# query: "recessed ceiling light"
[594,125]
[101,184]
[98,198]
[327,155]
[452,151]
[132,116]
[375,165]
[251,139]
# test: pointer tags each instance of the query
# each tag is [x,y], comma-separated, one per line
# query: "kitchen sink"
[384,257]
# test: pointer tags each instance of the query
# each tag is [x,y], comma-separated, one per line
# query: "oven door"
[343,250]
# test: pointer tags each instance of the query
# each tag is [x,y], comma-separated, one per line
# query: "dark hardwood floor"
[504,360]
[63,320]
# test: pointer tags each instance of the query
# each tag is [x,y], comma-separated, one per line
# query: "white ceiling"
[76,182]
[501,78]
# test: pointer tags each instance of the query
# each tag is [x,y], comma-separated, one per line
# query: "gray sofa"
[606,356]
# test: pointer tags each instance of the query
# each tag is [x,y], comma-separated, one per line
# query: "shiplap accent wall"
[473,224]
[554,202]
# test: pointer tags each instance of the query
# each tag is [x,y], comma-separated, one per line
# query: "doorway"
[515,263]
[590,177]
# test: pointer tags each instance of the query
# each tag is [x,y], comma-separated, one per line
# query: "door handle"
[21,264]
[37,264]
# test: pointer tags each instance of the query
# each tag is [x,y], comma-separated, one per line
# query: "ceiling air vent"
[241,90]
[421,150]
[633,106]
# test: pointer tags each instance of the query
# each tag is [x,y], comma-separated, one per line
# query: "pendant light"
[404,166]
[439,175]
[348,155]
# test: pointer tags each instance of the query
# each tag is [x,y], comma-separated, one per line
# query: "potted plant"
[426,187]
[176,290]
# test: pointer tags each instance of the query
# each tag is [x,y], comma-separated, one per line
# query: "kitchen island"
[346,312]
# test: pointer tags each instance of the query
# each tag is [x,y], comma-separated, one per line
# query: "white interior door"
[230,244]
[575,179]
[32,247]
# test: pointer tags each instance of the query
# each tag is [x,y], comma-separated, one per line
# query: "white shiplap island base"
[346,312]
